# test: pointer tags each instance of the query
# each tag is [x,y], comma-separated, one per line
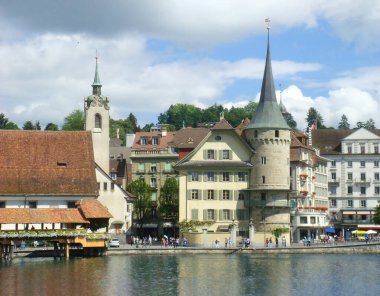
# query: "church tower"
[96,112]
[269,135]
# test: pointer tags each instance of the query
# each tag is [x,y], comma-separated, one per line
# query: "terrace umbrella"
[371,231]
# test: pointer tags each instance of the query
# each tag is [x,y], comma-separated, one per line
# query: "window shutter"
[220,194]
[232,214]
[215,215]
[220,154]
[230,154]
[215,154]
[204,154]
[205,215]
[221,215]
[205,195]
[236,175]
[220,177]
[188,194]
[236,195]
[189,177]
[199,194]
[231,194]
[205,177]
[216,194]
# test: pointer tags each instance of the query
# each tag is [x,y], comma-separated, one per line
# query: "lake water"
[194,275]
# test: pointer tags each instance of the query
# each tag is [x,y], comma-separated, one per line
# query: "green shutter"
[204,154]
[221,215]
[188,194]
[189,177]
[220,152]
[220,194]
[205,195]
[230,154]
[204,215]
[199,194]
[236,194]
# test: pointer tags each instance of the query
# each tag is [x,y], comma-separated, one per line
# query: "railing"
[363,181]
[336,180]
[358,221]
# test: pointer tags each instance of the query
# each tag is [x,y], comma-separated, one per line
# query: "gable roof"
[362,134]
[47,163]
[223,124]
[189,137]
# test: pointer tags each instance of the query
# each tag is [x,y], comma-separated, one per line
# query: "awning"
[148,225]
[357,213]
[329,230]
[372,226]
[117,222]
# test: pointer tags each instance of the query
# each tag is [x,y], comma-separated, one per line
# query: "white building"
[353,176]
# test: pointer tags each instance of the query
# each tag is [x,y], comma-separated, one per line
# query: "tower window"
[98,121]
[263,178]
[276,133]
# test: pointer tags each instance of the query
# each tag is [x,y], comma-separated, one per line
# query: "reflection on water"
[194,275]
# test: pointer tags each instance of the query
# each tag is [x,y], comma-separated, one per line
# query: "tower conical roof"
[96,78]
[268,113]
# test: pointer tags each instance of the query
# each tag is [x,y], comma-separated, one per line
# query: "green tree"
[6,124]
[314,116]
[147,127]
[376,217]
[74,121]
[51,127]
[343,123]
[290,121]
[181,113]
[143,203]
[235,115]
[250,108]
[212,114]
[169,201]
[37,126]
[28,125]
[133,122]
[279,231]
[370,124]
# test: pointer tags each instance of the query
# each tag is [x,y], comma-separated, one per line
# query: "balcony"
[356,222]
[363,181]
[312,209]
[334,181]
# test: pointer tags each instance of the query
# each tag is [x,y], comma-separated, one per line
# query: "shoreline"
[351,248]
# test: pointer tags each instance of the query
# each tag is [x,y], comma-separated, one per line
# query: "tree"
[37,126]
[133,121]
[28,125]
[314,116]
[143,203]
[370,124]
[343,123]
[74,121]
[6,124]
[290,121]
[376,217]
[51,127]
[180,114]
[279,231]
[168,208]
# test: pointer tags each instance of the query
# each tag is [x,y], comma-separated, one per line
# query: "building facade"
[353,176]
[308,185]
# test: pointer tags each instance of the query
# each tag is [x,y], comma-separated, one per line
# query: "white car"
[115,243]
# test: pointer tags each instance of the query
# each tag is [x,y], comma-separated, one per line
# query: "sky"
[152,54]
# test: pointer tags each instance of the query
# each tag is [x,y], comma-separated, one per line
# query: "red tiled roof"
[162,144]
[46,162]
[92,208]
[239,129]
[189,137]
[34,216]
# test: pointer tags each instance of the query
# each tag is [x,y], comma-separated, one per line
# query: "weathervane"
[96,54]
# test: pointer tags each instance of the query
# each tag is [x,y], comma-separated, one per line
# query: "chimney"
[164,131]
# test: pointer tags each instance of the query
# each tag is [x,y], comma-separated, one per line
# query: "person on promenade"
[270,242]
[276,242]
[216,243]
[267,242]
[150,240]
[229,242]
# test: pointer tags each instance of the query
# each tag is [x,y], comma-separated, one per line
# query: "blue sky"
[325,54]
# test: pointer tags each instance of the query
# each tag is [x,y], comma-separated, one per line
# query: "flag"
[314,125]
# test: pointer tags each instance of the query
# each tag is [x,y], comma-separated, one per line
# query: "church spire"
[268,114]
[96,85]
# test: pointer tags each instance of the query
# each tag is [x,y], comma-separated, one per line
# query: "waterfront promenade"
[296,248]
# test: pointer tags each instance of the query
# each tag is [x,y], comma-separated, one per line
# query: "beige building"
[214,179]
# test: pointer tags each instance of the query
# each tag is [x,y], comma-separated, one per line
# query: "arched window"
[98,121]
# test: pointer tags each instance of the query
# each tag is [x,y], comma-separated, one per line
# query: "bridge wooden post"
[67,249]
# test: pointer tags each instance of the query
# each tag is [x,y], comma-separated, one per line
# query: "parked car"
[115,243]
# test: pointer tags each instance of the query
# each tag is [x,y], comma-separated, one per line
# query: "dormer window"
[98,121]
[155,141]
[143,141]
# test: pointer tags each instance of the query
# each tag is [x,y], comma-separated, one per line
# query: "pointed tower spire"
[268,114]
[96,85]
